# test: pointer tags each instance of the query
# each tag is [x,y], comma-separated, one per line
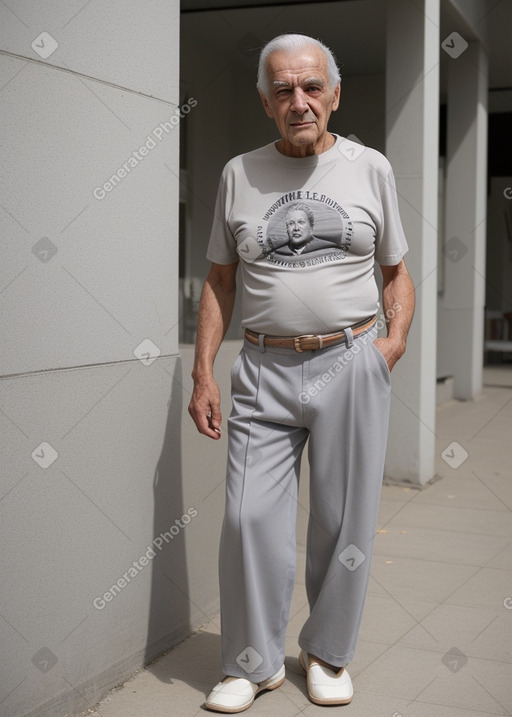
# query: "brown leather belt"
[308,342]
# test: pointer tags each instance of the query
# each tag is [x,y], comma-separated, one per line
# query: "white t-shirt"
[307,232]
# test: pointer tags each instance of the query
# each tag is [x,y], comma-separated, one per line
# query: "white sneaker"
[236,694]
[325,686]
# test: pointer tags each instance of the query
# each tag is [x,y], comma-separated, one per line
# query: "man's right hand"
[204,407]
[215,310]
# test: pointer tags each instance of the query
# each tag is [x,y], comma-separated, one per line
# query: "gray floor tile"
[466,491]
[399,493]
[367,652]
[427,709]
[503,559]
[475,684]
[422,579]
[386,620]
[451,680]
[441,545]
[390,510]
[465,520]
[478,632]
[487,587]
[401,672]
[479,418]
[362,705]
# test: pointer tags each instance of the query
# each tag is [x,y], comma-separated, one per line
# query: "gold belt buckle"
[297,342]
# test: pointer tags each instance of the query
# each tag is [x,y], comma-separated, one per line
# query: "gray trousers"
[338,397]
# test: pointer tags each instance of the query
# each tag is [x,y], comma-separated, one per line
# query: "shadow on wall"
[169,614]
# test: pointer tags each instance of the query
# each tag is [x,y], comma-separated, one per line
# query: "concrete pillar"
[412,128]
[462,303]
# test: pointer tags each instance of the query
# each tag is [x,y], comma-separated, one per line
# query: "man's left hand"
[391,349]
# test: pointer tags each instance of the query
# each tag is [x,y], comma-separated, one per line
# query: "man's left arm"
[398,305]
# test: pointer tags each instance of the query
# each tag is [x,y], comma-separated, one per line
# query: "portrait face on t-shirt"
[306,227]
[299,227]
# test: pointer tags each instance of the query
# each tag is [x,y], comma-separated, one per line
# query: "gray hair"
[289,42]
[298,206]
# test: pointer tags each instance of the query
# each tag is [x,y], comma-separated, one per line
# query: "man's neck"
[306,150]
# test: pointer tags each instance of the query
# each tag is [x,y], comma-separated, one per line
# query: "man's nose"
[299,101]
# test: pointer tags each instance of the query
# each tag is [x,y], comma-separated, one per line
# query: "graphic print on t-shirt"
[304,228]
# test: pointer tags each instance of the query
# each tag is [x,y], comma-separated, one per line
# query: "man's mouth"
[301,124]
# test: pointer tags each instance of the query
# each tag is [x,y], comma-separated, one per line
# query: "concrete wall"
[90,424]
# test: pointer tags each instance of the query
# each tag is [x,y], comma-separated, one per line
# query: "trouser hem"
[234,670]
[317,651]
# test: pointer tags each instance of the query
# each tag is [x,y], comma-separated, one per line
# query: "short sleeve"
[222,245]
[390,242]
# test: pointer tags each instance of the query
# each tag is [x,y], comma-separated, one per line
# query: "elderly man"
[311,367]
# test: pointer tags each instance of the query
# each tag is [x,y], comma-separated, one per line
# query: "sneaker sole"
[235,710]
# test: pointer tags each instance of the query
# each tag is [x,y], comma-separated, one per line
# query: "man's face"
[300,99]
[298,227]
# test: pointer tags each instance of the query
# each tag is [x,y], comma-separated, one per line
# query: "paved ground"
[436,638]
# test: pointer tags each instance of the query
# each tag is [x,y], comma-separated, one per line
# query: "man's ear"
[336,99]
[266,105]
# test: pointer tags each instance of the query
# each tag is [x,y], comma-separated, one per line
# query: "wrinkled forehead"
[297,66]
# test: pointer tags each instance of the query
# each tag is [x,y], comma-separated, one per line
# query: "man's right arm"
[215,311]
